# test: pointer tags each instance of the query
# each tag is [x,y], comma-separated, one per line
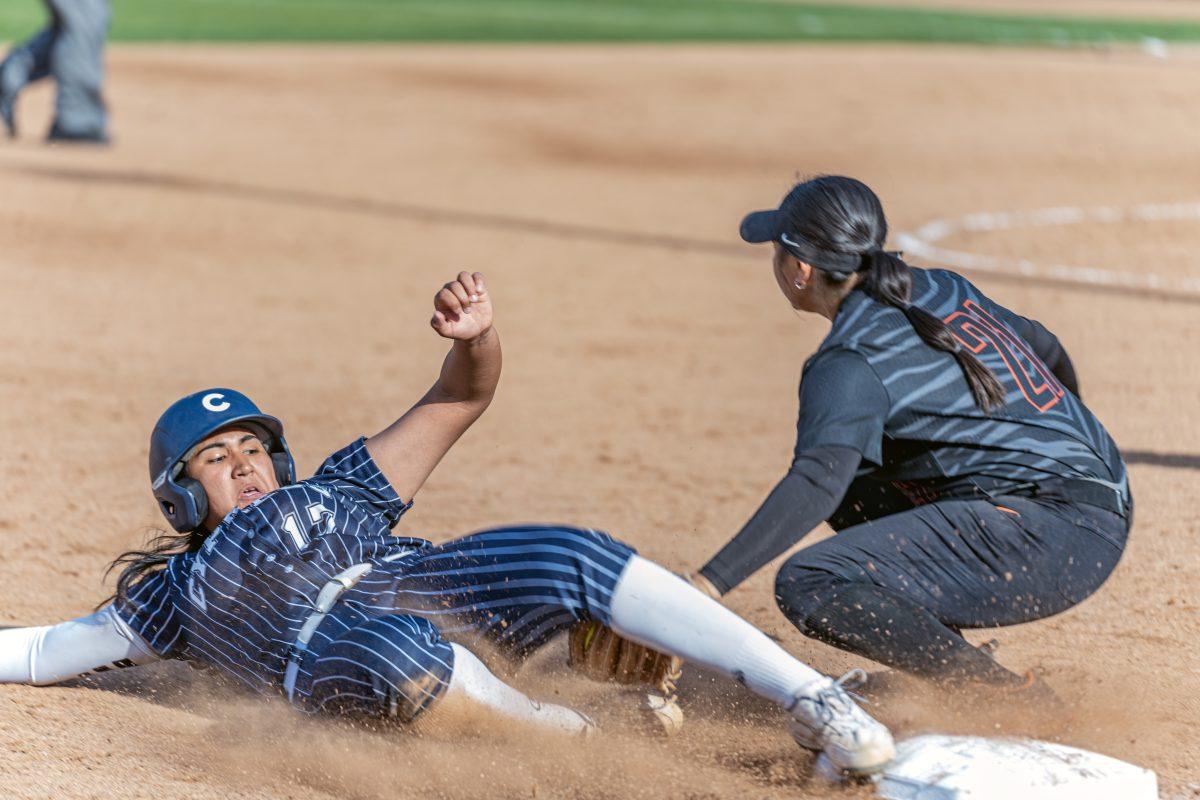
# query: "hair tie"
[868,257]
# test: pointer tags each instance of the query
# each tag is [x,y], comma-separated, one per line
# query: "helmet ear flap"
[199,498]
[183,503]
[285,467]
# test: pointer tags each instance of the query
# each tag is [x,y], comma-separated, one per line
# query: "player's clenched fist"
[462,309]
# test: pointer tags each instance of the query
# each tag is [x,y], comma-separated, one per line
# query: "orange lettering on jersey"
[977,330]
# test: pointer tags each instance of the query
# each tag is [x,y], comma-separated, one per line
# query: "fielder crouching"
[300,588]
[943,437]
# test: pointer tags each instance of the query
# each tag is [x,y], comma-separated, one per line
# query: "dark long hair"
[137,564]
[843,215]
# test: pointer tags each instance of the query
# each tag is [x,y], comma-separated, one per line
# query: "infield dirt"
[277,219]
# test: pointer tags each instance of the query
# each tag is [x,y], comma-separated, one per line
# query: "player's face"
[234,468]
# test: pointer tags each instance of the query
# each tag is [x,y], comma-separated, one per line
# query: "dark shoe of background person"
[58,135]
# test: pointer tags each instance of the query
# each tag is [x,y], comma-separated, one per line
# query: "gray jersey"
[873,385]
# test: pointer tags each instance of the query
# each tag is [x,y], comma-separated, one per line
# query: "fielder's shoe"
[826,719]
[1031,694]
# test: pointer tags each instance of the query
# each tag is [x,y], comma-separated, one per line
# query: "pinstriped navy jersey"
[874,386]
[238,602]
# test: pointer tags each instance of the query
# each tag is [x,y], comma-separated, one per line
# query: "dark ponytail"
[137,564]
[843,218]
[886,278]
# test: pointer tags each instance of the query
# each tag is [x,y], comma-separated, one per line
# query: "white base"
[937,767]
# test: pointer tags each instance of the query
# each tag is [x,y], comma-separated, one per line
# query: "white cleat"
[826,719]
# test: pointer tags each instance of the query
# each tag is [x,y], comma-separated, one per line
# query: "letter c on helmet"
[214,402]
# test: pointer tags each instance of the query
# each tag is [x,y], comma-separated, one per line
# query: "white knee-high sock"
[473,686]
[657,608]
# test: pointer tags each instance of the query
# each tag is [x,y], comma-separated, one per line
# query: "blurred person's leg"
[77,62]
[25,63]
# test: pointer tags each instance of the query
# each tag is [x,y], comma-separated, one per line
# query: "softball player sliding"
[300,588]
[943,437]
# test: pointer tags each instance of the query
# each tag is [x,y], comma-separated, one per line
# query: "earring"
[801,284]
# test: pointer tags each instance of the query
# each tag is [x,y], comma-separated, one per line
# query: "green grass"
[584,21]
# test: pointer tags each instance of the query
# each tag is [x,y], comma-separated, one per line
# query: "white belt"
[328,595]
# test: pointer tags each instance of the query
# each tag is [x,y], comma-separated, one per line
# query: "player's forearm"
[806,496]
[54,653]
[409,449]
[471,371]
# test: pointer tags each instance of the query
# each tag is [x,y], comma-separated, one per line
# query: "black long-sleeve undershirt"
[806,496]
[843,405]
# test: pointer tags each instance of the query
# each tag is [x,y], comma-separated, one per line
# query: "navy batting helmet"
[184,425]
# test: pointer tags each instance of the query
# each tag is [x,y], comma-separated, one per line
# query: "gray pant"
[72,50]
[971,563]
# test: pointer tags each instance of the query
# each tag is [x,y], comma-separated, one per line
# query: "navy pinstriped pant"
[385,651]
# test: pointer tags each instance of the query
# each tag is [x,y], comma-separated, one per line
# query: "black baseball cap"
[774,225]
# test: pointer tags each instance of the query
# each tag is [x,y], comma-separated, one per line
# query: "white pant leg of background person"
[25,63]
[77,62]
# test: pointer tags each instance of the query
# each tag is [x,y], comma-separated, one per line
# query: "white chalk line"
[923,243]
